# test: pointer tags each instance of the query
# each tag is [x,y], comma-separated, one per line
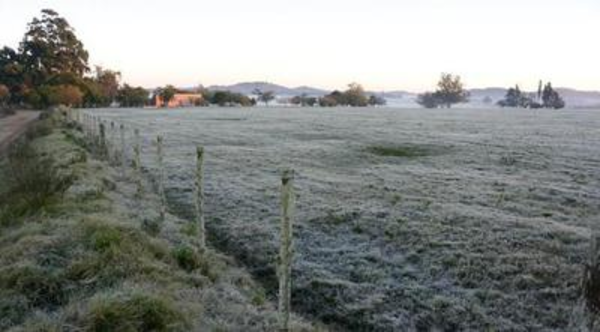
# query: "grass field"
[406,219]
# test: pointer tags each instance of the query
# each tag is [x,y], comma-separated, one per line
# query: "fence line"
[95,131]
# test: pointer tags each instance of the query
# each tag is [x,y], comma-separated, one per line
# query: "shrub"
[35,183]
[40,286]
[134,312]
[187,258]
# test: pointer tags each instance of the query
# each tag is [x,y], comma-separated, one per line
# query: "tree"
[451,90]
[304,100]
[429,100]
[551,98]
[545,98]
[514,98]
[67,95]
[108,81]
[377,101]
[328,101]
[166,94]
[11,74]
[264,96]
[356,96]
[228,98]
[128,96]
[4,95]
[50,47]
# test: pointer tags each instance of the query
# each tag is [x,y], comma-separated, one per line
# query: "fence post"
[123,150]
[161,177]
[102,149]
[137,163]
[94,134]
[199,188]
[112,151]
[286,248]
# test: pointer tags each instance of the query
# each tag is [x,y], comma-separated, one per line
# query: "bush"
[187,258]
[134,312]
[35,183]
[38,285]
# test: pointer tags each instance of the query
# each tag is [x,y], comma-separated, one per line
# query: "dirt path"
[13,126]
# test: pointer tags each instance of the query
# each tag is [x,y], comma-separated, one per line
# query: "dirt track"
[13,126]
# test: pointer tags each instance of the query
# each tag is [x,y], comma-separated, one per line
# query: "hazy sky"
[383,44]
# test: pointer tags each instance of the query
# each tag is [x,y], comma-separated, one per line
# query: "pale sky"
[383,44]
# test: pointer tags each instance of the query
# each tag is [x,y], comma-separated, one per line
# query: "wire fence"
[137,157]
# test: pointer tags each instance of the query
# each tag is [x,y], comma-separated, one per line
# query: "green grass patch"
[136,311]
[187,258]
[402,151]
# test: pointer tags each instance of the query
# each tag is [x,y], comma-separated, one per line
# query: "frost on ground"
[406,219]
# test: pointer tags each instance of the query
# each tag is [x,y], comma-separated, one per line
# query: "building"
[180,100]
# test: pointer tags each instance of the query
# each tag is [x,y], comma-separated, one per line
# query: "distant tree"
[304,100]
[514,98]
[429,100]
[451,90]
[67,95]
[108,81]
[551,98]
[128,96]
[228,98]
[356,96]
[166,94]
[340,98]
[12,74]
[328,101]
[545,98]
[4,95]
[50,47]
[377,101]
[487,100]
[264,96]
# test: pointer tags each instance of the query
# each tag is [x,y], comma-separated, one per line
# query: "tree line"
[451,91]
[546,97]
[50,67]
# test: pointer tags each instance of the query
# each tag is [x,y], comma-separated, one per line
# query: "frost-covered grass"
[79,258]
[486,227]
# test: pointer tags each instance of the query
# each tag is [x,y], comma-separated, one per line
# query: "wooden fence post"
[161,177]
[199,189]
[123,150]
[102,149]
[286,248]
[137,163]
[112,151]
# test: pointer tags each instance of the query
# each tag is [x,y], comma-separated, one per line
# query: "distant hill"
[573,98]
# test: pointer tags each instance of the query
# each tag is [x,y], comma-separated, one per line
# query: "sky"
[382,44]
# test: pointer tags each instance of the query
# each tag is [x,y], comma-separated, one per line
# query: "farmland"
[406,219]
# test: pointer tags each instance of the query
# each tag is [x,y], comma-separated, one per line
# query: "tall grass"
[34,182]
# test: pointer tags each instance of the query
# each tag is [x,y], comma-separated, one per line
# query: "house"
[180,100]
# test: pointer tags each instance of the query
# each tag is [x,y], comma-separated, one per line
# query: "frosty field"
[406,219]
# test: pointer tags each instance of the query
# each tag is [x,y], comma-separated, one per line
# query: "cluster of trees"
[227,98]
[50,68]
[354,96]
[304,100]
[450,91]
[546,97]
[264,96]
